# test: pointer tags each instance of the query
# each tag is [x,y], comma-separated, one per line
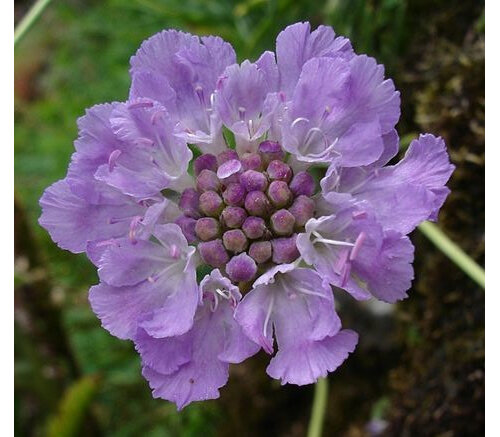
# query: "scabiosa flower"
[207,168]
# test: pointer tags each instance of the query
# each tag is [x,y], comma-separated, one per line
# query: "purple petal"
[326,117]
[201,377]
[352,252]
[95,144]
[318,92]
[401,196]
[72,222]
[157,53]
[298,292]
[214,341]
[242,100]
[164,355]
[267,64]
[191,67]
[121,308]
[253,315]
[296,45]
[153,158]
[390,277]
[426,162]
[128,263]
[371,95]
[175,316]
[148,284]
[369,144]
[391,148]
[156,87]
[305,363]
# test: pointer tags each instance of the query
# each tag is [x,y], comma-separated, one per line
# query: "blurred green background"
[419,367]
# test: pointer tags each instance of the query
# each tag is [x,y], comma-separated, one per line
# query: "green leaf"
[72,409]
[229,137]
[202,271]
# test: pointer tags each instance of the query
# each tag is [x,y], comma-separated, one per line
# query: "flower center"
[246,211]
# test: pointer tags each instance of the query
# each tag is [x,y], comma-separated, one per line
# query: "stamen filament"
[310,293]
[298,120]
[320,239]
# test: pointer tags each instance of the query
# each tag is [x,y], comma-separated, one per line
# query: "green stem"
[318,409]
[454,252]
[29,19]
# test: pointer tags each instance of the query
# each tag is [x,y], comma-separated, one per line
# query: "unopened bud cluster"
[246,210]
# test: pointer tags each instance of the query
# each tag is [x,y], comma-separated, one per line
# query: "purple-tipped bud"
[187,225]
[261,251]
[252,161]
[207,180]
[270,150]
[205,162]
[233,216]
[285,250]
[211,204]
[282,222]
[234,195]
[207,228]
[253,181]
[303,184]
[226,156]
[235,240]
[241,268]
[254,227]
[228,169]
[213,253]
[279,194]
[189,202]
[302,209]
[257,203]
[279,171]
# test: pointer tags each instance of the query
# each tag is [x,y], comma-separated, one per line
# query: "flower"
[207,168]
[195,365]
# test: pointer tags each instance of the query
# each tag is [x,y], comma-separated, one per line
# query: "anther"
[358,215]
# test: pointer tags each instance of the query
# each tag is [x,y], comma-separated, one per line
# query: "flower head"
[207,166]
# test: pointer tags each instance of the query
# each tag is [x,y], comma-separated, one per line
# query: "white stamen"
[226,294]
[310,293]
[320,239]
[250,128]
[298,120]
